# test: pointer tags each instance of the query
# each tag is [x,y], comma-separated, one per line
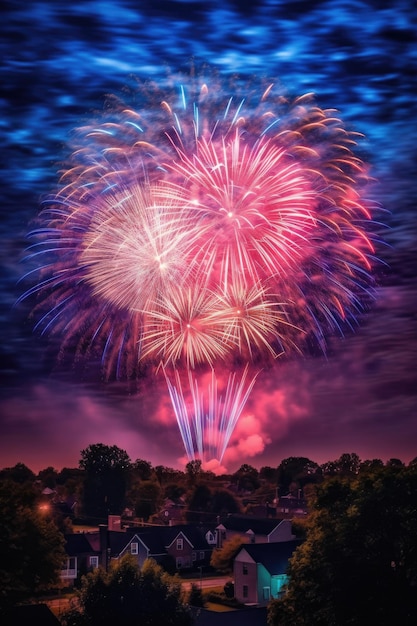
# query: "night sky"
[58,64]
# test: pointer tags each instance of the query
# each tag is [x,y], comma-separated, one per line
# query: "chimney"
[104,546]
[114,522]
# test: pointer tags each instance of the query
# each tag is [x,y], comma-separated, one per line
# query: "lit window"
[134,548]
[180,543]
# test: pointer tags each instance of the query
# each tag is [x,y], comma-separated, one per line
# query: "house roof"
[157,538]
[79,543]
[243,523]
[273,556]
[245,617]
[30,614]
[165,535]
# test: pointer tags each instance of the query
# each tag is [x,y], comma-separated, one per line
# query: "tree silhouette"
[129,596]
[358,564]
[31,546]
[106,476]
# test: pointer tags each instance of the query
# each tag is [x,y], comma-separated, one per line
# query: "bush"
[195,597]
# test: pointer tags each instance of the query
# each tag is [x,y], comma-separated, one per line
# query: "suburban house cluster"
[259,567]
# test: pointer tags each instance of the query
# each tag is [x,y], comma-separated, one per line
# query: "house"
[182,546]
[175,547]
[253,529]
[292,506]
[83,555]
[172,512]
[260,571]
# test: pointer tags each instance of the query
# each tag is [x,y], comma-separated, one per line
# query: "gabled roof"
[153,541]
[243,523]
[157,538]
[79,543]
[273,556]
[166,535]
[193,535]
[179,535]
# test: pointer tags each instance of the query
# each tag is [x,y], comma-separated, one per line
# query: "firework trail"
[217,226]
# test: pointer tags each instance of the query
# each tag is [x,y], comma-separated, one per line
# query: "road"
[205,583]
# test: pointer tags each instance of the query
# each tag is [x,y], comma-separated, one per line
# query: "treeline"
[107,481]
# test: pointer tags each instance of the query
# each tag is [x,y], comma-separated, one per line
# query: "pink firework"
[215,226]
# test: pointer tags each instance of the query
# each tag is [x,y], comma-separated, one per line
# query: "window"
[93,562]
[180,543]
[244,568]
[245,591]
[266,593]
[194,556]
[134,548]
[69,568]
[201,555]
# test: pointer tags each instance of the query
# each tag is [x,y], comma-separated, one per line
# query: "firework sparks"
[207,418]
[205,229]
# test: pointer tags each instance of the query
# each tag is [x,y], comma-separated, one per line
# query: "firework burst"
[215,225]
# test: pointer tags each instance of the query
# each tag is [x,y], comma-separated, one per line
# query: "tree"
[223,502]
[31,547]
[174,492]
[394,463]
[129,596]
[295,472]
[166,474]
[205,503]
[348,464]
[19,473]
[222,558]
[106,475]
[148,496]
[142,469]
[370,465]
[49,477]
[199,504]
[358,564]
[268,473]
[193,471]
[247,478]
